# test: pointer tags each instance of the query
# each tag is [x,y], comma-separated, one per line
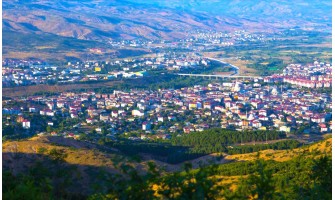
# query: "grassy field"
[241,64]
[324,146]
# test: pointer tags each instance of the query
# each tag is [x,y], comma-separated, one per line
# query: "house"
[257,104]
[51,105]
[163,136]
[42,112]
[50,123]
[208,105]
[188,129]
[160,119]
[20,118]
[114,113]
[273,116]
[172,129]
[26,124]
[318,119]
[74,114]
[90,120]
[285,129]
[32,109]
[104,117]
[228,104]
[256,124]
[192,105]
[60,104]
[138,113]
[219,108]
[146,126]
[49,113]
[262,112]
[323,128]
[251,117]
[71,135]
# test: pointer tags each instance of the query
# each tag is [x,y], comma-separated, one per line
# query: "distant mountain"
[153,19]
[262,10]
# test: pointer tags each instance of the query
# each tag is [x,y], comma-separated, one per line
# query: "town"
[199,40]
[281,102]
[23,72]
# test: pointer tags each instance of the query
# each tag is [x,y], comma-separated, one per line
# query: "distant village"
[199,40]
[291,102]
[22,72]
[17,72]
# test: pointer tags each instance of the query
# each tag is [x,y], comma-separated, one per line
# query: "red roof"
[323,125]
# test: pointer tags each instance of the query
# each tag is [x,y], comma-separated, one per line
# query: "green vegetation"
[61,172]
[57,155]
[295,179]
[287,144]
[17,187]
[154,82]
[218,139]
[300,178]
[191,146]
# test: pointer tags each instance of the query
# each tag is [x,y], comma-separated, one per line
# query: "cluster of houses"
[224,38]
[22,72]
[31,73]
[231,105]
[318,75]
[19,76]
[193,39]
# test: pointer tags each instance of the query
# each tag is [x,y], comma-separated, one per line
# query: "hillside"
[152,19]
[68,29]
[72,166]
[102,20]
[320,148]
[84,153]
[27,45]
[75,167]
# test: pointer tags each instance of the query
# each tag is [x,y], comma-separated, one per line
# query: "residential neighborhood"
[270,103]
[35,72]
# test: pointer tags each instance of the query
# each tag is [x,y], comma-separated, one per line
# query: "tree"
[259,185]
[321,175]
[57,154]
[48,129]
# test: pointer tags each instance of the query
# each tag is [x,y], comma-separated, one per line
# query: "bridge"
[219,76]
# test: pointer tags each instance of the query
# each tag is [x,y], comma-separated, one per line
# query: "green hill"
[59,168]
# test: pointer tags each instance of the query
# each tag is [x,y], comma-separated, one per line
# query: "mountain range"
[102,20]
